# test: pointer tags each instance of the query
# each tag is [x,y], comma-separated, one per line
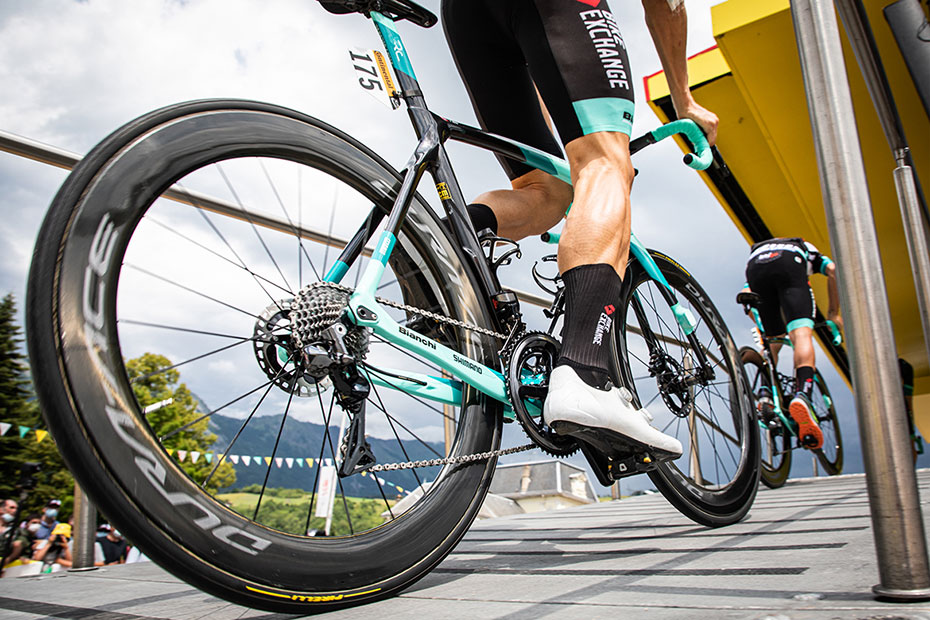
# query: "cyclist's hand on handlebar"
[705,119]
[836,318]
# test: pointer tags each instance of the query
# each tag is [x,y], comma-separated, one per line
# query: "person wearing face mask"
[114,547]
[49,519]
[7,515]
[23,542]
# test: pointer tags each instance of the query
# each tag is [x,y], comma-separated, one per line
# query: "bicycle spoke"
[188,361]
[274,450]
[174,231]
[394,430]
[248,217]
[210,413]
[287,216]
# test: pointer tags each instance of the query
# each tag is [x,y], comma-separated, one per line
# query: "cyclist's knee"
[599,154]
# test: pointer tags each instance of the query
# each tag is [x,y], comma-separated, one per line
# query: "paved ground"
[805,552]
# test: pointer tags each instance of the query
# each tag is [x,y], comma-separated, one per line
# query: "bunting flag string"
[193,456]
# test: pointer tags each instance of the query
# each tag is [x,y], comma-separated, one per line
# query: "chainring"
[527,366]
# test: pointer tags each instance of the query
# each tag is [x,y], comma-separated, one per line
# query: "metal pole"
[916,231]
[901,547]
[85,527]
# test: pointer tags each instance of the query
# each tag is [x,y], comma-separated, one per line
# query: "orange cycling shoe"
[810,434]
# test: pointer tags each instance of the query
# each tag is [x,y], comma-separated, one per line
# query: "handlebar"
[702,157]
[837,336]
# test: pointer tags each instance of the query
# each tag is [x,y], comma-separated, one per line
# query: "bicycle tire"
[774,437]
[734,464]
[830,454]
[83,386]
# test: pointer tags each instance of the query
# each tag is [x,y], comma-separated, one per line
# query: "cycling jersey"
[777,271]
[571,50]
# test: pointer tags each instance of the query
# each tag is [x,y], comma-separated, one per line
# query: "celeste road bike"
[320,312]
[773,391]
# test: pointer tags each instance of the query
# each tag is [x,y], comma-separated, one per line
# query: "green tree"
[19,408]
[178,423]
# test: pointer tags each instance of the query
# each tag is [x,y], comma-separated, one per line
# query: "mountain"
[303,440]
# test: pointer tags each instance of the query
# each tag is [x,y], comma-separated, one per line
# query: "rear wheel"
[830,453]
[174,251]
[714,482]
[774,436]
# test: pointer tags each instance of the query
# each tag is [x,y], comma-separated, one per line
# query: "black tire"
[715,484]
[85,261]
[831,453]
[774,436]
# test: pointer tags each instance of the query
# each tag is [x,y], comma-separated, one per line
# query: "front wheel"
[175,250]
[775,437]
[695,389]
[830,453]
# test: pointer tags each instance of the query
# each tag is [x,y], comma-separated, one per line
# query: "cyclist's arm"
[833,294]
[669,29]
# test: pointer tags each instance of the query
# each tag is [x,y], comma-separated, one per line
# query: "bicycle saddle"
[748,299]
[395,9]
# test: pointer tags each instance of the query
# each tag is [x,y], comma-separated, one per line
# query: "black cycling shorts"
[570,49]
[780,279]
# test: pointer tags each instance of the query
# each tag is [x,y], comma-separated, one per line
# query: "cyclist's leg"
[798,307]
[504,96]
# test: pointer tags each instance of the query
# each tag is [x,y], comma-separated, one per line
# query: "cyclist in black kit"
[520,59]
[778,271]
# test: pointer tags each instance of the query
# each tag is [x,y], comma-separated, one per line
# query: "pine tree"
[178,423]
[17,406]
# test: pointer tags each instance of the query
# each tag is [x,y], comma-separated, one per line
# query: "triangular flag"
[289,461]
[234,458]
[209,457]
[327,462]
[195,456]
[310,462]
[171,452]
[23,430]
[399,489]
[40,435]
[4,427]
[182,454]
[278,462]
[268,461]
[257,459]
[246,460]
[300,462]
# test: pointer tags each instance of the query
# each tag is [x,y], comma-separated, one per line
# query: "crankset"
[528,364]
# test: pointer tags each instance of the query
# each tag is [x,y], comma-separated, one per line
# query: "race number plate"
[374,76]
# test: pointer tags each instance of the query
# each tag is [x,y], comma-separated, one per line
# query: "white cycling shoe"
[606,420]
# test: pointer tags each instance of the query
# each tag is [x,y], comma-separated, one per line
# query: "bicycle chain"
[451,460]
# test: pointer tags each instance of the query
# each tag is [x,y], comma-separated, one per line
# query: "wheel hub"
[674,384]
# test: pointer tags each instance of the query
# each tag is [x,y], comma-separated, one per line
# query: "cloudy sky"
[74,71]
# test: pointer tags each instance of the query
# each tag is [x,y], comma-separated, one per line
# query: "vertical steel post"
[85,528]
[916,230]
[896,519]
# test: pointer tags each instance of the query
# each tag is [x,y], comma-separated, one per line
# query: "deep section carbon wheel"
[774,436]
[706,406]
[167,266]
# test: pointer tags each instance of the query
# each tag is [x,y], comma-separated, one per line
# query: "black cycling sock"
[591,292]
[481,217]
[804,380]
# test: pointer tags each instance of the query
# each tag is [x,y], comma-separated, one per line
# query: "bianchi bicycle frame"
[430,155]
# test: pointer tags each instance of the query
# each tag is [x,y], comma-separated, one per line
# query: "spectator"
[115,548]
[49,519]
[23,542]
[55,550]
[7,515]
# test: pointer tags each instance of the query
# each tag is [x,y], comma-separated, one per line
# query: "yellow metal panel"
[766,140]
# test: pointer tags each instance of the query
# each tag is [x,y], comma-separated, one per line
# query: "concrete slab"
[805,552]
